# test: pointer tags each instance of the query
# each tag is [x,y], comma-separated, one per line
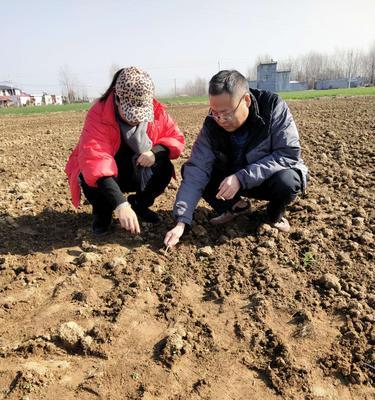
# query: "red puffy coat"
[100,140]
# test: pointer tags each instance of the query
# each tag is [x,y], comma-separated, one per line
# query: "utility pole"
[218,64]
[175,87]
[351,62]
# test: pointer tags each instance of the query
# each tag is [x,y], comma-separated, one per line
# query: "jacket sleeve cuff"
[111,191]
[160,151]
[241,175]
[185,220]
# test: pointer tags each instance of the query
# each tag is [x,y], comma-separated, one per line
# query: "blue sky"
[170,39]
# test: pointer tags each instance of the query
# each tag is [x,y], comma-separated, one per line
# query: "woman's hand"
[173,236]
[128,218]
[146,159]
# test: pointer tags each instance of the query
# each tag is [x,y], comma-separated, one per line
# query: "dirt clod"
[70,333]
[330,281]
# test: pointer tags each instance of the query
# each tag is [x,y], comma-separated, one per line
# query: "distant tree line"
[72,89]
[349,63]
[197,87]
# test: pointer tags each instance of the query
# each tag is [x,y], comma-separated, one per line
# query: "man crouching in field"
[248,146]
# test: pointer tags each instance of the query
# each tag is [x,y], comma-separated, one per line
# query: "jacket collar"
[254,115]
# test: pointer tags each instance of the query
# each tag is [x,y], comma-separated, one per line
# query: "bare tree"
[198,87]
[252,73]
[313,67]
[346,63]
[351,62]
[69,84]
[337,69]
[83,95]
[285,64]
[368,65]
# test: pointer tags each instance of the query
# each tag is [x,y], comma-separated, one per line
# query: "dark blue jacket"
[273,145]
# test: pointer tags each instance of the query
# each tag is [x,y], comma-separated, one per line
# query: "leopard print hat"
[135,91]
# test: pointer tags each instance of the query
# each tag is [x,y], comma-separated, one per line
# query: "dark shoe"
[144,213]
[101,223]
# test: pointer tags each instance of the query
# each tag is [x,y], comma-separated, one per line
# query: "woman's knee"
[164,168]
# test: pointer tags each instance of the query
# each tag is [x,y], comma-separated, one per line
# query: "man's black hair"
[228,81]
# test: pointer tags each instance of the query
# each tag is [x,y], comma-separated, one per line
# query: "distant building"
[37,99]
[5,96]
[322,84]
[357,82]
[266,76]
[8,95]
[24,99]
[297,85]
[57,99]
[269,78]
[9,91]
[4,101]
[253,84]
[282,81]
[11,96]
[47,99]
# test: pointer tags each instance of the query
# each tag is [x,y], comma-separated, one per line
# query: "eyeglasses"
[228,116]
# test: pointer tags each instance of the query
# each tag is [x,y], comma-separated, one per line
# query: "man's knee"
[286,182]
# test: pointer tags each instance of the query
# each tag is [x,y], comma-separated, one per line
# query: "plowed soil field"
[233,312]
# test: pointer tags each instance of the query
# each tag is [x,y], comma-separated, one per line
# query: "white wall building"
[47,99]
[37,99]
[11,96]
[24,99]
[57,99]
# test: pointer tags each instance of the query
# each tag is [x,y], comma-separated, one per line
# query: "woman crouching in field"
[126,145]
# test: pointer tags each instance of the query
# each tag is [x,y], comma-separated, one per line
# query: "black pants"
[280,190]
[162,173]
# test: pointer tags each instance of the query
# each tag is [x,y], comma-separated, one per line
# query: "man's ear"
[247,99]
